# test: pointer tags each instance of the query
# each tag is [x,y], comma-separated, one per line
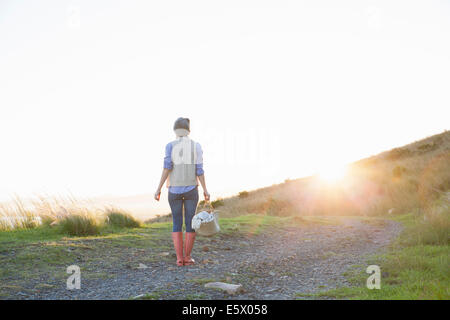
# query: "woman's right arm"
[168,165]
[164,176]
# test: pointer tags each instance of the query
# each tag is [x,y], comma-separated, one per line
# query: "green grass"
[29,235]
[415,267]
[257,223]
[253,224]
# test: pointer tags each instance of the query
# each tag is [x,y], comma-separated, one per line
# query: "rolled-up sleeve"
[168,164]
[199,163]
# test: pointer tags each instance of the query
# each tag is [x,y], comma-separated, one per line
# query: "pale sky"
[89,90]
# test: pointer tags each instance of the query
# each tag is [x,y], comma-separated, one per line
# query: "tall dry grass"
[19,214]
[431,226]
[118,218]
[74,216]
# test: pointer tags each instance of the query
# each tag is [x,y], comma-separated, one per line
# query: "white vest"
[184,158]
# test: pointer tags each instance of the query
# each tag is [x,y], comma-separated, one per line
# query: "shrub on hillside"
[243,194]
[120,219]
[444,185]
[427,147]
[80,224]
[48,221]
[277,207]
[433,145]
[399,153]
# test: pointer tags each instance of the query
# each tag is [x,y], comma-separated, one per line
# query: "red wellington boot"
[177,238]
[189,244]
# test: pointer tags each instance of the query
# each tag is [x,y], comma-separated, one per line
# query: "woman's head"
[182,127]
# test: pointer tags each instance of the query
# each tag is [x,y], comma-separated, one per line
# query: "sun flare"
[333,173]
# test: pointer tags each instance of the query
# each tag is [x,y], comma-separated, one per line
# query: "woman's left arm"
[203,183]
[200,172]
[168,165]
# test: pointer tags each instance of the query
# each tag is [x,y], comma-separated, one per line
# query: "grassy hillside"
[397,181]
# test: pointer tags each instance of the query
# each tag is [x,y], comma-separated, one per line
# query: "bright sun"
[333,173]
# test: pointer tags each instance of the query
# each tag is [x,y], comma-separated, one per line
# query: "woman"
[183,166]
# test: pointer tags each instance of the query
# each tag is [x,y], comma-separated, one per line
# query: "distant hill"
[396,181]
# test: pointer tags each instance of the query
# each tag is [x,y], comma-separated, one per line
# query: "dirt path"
[275,264]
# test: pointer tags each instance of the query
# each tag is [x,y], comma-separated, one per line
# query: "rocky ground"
[275,264]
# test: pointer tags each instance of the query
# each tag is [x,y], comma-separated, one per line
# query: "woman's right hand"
[157,195]
[207,196]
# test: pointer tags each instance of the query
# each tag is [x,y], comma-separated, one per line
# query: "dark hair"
[182,123]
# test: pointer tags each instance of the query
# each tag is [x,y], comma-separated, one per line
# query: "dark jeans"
[189,201]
